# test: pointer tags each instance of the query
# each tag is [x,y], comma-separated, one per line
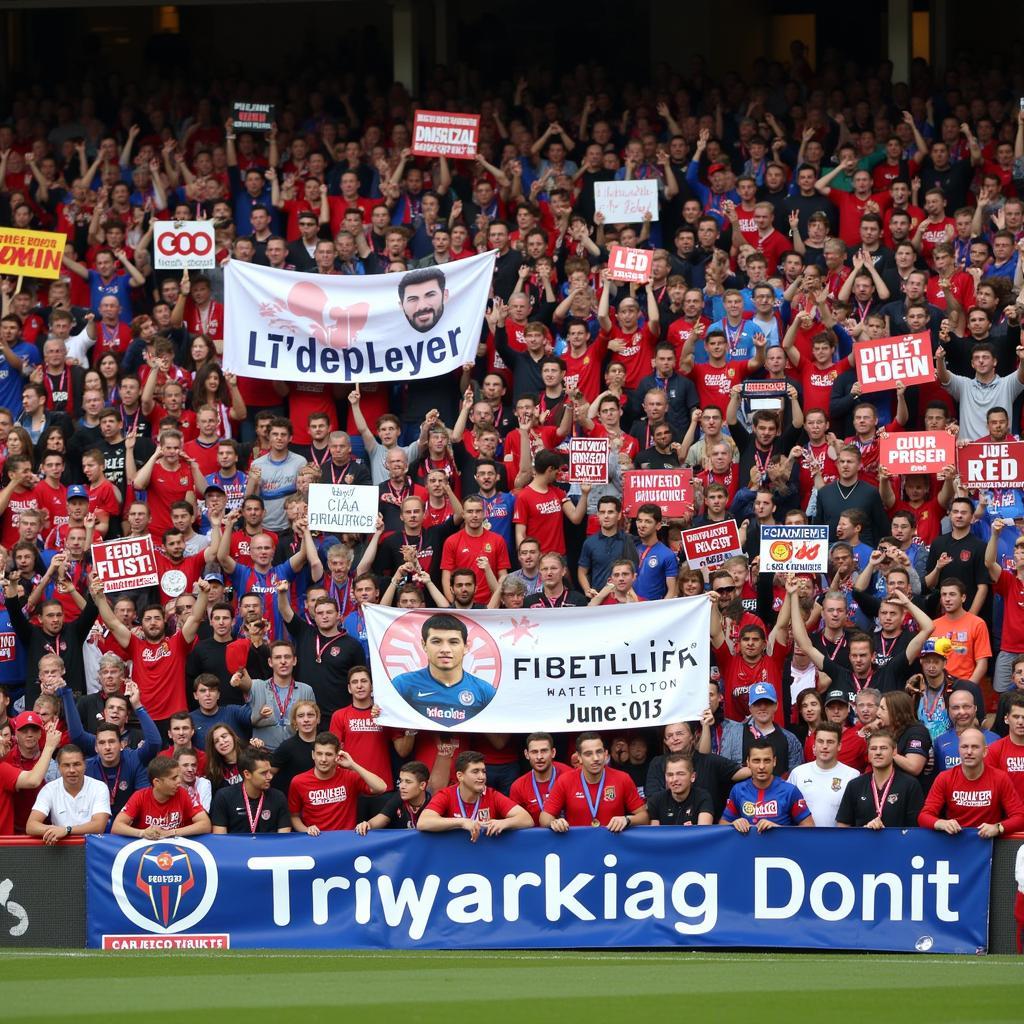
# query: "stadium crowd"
[796,215]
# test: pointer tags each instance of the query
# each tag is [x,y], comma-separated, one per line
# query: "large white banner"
[281,325]
[557,669]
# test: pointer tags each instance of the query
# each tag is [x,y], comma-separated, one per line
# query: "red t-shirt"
[961,284]
[773,245]
[186,421]
[461,551]
[1011,590]
[738,677]
[330,804]
[934,234]
[636,355]
[1008,757]
[159,669]
[853,749]
[21,501]
[200,758]
[615,795]
[542,516]
[491,805]
[714,383]
[817,383]
[209,321]
[988,799]
[144,809]
[55,501]
[205,455]
[630,445]
[679,331]
[177,578]
[365,740]
[104,498]
[166,486]
[929,518]
[306,399]
[851,209]
[583,373]
[240,546]
[540,438]
[829,469]
[110,339]
[524,793]
[9,776]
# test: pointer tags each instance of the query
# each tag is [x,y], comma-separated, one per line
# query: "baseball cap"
[213,576]
[214,487]
[941,646]
[715,168]
[762,691]
[27,718]
[78,491]
[837,696]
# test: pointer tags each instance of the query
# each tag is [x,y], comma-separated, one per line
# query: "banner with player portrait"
[281,325]
[557,669]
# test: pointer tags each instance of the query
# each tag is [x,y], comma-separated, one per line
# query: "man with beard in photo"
[422,295]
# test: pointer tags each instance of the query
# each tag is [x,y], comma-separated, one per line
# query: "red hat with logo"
[27,718]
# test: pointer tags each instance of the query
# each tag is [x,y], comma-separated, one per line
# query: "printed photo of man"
[442,691]
[422,295]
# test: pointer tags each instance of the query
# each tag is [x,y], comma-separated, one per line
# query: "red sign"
[707,547]
[437,133]
[672,489]
[921,451]
[125,564]
[883,362]
[632,265]
[588,460]
[992,464]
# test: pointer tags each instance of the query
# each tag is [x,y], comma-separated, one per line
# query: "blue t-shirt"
[444,705]
[238,716]
[11,380]
[355,625]
[947,748]
[657,565]
[781,803]
[740,340]
[120,286]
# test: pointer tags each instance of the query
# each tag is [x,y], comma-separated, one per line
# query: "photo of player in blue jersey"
[443,692]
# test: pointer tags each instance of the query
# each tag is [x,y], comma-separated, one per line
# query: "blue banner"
[702,887]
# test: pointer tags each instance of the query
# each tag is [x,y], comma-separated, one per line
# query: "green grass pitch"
[499,987]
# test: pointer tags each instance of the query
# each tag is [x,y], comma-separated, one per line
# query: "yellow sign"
[31,253]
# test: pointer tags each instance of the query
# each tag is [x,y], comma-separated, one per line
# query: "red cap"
[715,168]
[28,718]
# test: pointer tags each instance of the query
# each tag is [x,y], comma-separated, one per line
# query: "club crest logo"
[164,887]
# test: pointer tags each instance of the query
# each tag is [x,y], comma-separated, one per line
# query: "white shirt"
[823,790]
[57,804]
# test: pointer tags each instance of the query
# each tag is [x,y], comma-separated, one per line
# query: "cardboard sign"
[588,460]
[920,451]
[629,265]
[672,489]
[343,508]
[125,564]
[31,253]
[438,133]
[184,245]
[626,202]
[765,394]
[707,547]
[881,363]
[989,464]
[252,117]
[794,549]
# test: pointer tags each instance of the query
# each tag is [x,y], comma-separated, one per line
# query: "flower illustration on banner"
[336,327]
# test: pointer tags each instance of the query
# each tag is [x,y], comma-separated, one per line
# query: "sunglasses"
[725,590]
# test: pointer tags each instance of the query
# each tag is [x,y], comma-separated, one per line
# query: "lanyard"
[320,648]
[282,708]
[592,805]
[548,603]
[336,477]
[117,782]
[462,806]
[858,685]
[840,644]
[413,812]
[536,788]
[321,461]
[879,798]
[254,818]
[886,652]
[930,710]
[63,388]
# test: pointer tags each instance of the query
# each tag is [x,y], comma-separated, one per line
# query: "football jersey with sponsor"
[159,669]
[781,803]
[491,805]
[329,804]
[581,802]
[145,810]
[444,704]
[988,799]
[365,739]
[1008,757]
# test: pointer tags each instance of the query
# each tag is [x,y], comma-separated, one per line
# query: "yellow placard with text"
[31,253]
